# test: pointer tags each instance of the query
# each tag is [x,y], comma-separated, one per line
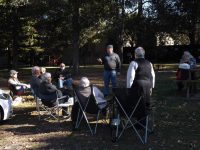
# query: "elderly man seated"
[63,77]
[49,92]
[83,92]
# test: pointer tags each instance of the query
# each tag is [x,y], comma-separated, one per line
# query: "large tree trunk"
[76,34]
[14,51]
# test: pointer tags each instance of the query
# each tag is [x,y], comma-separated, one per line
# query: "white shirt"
[184,66]
[17,82]
[101,102]
[131,74]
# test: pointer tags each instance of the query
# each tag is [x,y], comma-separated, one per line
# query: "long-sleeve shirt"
[16,82]
[131,74]
[111,62]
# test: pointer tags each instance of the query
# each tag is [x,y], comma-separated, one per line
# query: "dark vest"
[143,71]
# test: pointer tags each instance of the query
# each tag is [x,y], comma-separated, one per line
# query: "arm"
[153,76]
[118,63]
[131,73]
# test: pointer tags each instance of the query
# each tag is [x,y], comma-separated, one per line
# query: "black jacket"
[65,73]
[48,91]
[35,84]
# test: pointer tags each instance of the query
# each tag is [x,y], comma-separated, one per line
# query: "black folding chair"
[126,111]
[52,111]
[88,107]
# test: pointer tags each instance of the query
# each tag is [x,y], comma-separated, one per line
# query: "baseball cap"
[110,46]
[13,72]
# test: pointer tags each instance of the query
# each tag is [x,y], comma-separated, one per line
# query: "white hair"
[47,75]
[139,52]
[34,69]
[84,82]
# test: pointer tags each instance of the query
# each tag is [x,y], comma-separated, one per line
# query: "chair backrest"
[89,105]
[128,101]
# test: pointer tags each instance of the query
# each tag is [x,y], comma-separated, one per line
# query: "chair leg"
[146,130]
[95,129]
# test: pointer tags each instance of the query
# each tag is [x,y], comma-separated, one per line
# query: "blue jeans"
[109,76]
[67,83]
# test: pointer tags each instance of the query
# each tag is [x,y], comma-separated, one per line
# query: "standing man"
[112,66]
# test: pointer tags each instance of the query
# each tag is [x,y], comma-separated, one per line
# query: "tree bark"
[76,35]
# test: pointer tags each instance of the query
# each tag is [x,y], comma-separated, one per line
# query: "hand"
[61,78]
[99,60]
[118,73]
[151,91]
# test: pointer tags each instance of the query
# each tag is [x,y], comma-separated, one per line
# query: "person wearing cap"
[141,78]
[112,66]
[63,77]
[83,92]
[35,80]
[15,85]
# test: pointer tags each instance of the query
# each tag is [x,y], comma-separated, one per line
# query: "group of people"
[140,78]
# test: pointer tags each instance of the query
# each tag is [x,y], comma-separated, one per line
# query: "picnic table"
[191,81]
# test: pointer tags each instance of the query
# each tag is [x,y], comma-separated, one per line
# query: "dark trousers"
[138,89]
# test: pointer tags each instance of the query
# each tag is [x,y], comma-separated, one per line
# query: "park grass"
[177,122]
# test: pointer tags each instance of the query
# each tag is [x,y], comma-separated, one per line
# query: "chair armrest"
[63,97]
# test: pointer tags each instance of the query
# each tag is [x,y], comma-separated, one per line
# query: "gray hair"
[34,69]
[47,75]
[139,52]
[84,82]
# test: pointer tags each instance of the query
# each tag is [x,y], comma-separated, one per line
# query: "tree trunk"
[76,34]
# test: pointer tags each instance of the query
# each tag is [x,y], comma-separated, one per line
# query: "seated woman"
[83,92]
[16,87]
[49,92]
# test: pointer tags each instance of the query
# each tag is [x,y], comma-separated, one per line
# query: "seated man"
[35,80]
[49,92]
[15,85]
[83,92]
[63,77]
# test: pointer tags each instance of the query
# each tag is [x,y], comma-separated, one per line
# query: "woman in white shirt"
[15,85]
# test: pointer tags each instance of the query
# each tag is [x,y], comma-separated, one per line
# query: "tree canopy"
[32,26]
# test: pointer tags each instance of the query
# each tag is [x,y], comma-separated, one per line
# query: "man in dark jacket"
[49,92]
[35,80]
[112,66]
[63,77]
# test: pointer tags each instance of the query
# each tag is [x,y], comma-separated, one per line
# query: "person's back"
[35,84]
[83,93]
[143,71]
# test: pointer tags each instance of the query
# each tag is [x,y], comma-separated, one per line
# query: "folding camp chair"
[125,111]
[89,107]
[53,111]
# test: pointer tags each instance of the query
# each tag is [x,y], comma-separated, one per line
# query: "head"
[84,82]
[42,70]
[36,71]
[139,52]
[109,49]
[62,66]
[13,74]
[47,77]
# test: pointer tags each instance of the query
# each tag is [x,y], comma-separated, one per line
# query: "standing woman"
[141,78]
